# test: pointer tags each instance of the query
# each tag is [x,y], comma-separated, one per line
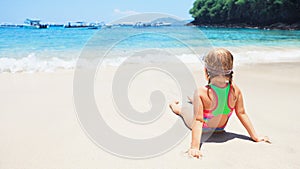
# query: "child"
[214,103]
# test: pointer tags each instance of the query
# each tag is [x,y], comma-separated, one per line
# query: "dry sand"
[39,126]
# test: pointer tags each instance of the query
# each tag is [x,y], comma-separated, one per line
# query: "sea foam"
[33,64]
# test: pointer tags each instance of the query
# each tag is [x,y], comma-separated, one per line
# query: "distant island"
[265,14]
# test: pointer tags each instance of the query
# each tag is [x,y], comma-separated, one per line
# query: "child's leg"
[186,112]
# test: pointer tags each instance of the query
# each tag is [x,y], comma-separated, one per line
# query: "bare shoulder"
[237,90]
[201,91]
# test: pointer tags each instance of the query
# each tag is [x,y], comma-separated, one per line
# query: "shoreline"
[243,55]
[274,26]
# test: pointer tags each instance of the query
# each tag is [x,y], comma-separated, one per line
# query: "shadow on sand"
[221,137]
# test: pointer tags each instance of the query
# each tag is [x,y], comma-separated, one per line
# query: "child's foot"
[175,107]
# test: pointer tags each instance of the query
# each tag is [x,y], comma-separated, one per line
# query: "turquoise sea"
[33,50]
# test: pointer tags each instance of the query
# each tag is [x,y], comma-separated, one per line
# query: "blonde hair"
[219,62]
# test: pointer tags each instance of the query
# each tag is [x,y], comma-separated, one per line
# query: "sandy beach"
[39,127]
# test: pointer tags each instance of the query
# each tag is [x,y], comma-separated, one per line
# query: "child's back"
[218,104]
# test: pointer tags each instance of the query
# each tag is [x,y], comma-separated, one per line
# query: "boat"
[34,24]
[76,25]
[157,24]
[141,24]
[82,25]
[151,24]
[107,26]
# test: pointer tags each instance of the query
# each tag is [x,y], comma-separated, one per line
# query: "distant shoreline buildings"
[37,24]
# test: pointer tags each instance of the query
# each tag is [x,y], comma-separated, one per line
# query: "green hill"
[282,14]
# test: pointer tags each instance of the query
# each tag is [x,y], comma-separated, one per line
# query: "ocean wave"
[33,64]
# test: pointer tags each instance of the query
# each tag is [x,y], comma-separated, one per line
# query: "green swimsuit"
[222,106]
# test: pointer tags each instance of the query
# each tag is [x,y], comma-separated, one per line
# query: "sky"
[63,11]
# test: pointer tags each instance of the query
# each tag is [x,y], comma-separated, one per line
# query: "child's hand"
[260,139]
[194,153]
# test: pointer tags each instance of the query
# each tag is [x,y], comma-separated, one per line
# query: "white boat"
[83,25]
[34,24]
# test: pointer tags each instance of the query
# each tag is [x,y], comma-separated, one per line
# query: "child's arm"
[197,126]
[194,151]
[243,117]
